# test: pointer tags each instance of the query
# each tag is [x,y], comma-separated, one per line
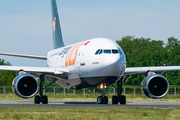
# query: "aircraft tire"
[100,100]
[123,99]
[37,99]
[45,99]
[114,99]
[105,100]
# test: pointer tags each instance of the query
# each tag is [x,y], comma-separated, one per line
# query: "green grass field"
[73,113]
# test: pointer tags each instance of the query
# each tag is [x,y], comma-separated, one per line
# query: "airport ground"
[80,107]
[90,113]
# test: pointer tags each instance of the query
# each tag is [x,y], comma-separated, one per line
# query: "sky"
[26,25]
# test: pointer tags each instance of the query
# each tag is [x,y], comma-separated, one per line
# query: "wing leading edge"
[36,70]
[136,70]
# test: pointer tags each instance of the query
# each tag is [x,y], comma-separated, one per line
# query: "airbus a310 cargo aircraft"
[98,62]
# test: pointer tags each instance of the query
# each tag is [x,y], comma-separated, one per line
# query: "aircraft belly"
[87,82]
[111,70]
[90,79]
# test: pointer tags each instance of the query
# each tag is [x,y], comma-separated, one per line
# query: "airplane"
[94,63]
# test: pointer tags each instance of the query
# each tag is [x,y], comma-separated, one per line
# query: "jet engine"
[155,86]
[25,86]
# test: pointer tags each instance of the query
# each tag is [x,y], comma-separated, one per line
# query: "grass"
[73,113]
[91,97]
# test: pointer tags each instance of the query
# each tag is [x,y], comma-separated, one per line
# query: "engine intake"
[25,86]
[155,86]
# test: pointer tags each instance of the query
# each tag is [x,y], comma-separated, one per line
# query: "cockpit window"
[100,52]
[97,51]
[120,52]
[107,51]
[114,51]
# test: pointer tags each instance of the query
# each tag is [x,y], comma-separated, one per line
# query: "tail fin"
[57,35]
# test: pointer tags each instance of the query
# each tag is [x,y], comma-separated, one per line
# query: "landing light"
[103,86]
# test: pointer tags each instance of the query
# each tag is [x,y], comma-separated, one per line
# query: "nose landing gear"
[102,99]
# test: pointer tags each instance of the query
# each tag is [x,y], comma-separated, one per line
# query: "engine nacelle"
[155,86]
[25,86]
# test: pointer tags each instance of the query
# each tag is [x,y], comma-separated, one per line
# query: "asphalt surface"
[57,103]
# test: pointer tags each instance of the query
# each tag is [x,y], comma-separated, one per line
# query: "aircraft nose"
[113,59]
[114,65]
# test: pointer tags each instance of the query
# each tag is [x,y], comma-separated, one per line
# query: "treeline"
[6,77]
[139,52]
[146,52]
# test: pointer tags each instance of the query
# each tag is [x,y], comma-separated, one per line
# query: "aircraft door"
[83,54]
[83,58]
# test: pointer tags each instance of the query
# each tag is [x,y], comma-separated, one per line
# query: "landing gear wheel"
[41,98]
[44,99]
[105,101]
[100,100]
[123,99]
[119,98]
[37,99]
[114,99]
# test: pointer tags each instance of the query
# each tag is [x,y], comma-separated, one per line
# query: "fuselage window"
[97,51]
[107,51]
[114,51]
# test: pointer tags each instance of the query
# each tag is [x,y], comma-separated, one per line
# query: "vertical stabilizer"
[57,35]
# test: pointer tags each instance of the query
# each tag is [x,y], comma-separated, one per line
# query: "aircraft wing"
[35,70]
[159,69]
[25,56]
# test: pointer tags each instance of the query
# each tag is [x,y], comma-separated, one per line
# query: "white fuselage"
[90,63]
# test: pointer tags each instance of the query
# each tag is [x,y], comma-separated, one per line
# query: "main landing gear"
[119,98]
[102,99]
[41,98]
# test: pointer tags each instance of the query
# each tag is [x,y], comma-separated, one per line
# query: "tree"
[146,52]
[6,77]
[173,51]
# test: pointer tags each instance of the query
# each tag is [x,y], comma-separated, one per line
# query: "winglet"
[57,35]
